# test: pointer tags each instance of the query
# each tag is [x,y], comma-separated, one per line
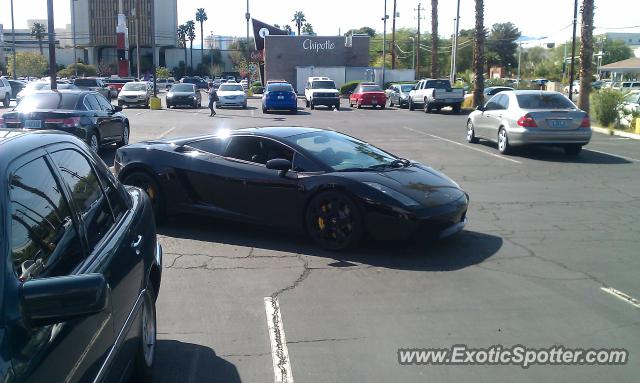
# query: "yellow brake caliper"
[321,223]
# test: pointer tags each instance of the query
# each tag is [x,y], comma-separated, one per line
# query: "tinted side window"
[44,239]
[86,194]
[211,145]
[256,149]
[303,164]
[118,205]
[503,102]
[104,104]
[91,102]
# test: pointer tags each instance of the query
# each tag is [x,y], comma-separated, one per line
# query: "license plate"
[32,124]
[448,100]
[557,123]
[280,97]
[374,101]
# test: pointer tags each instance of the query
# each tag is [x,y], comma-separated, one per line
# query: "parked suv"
[81,265]
[94,84]
[5,92]
[321,91]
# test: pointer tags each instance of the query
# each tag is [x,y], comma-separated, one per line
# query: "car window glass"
[502,101]
[303,164]
[256,149]
[544,101]
[65,101]
[104,104]
[108,182]
[86,194]
[44,239]
[92,102]
[210,145]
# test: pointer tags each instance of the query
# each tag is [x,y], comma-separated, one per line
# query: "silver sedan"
[524,117]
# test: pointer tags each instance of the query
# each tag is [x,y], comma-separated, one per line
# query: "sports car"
[334,187]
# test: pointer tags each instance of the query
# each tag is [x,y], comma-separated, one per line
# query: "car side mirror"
[117,108]
[49,301]
[281,164]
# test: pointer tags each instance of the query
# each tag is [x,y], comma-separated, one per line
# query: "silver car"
[524,117]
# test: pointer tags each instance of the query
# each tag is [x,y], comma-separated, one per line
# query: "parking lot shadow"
[556,154]
[187,362]
[460,251]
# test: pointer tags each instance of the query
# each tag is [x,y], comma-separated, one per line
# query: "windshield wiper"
[397,163]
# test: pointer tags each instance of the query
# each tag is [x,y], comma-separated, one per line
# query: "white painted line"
[613,155]
[464,145]
[143,112]
[620,295]
[164,134]
[279,352]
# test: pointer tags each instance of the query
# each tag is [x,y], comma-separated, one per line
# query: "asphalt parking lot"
[547,236]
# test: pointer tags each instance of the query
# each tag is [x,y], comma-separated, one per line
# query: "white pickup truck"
[433,93]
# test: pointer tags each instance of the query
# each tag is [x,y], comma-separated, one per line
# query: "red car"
[368,94]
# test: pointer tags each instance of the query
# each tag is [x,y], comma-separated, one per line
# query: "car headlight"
[141,97]
[403,199]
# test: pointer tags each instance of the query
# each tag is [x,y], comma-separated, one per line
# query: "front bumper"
[551,137]
[326,101]
[125,101]
[181,101]
[231,102]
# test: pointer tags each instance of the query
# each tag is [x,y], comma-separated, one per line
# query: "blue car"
[279,96]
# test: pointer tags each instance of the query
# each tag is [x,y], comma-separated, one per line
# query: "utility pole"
[519,58]
[393,37]
[137,16]
[413,53]
[13,36]
[52,46]
[454,55]
[573,50]
[417,74]
[248,17]
[73,31]
[564,62]
[384,41]
[153,47]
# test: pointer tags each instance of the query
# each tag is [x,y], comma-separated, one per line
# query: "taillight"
[586,123]
[527,121]
[69,122]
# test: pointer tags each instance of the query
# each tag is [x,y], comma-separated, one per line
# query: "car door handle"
[136,244]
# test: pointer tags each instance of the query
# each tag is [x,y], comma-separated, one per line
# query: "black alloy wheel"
[333,221]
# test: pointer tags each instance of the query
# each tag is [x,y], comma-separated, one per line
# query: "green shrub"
[348,87]
[257,89]
[606,105]
[256,83]
[389,83]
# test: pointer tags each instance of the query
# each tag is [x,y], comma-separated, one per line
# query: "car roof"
[16,142]
[517,92]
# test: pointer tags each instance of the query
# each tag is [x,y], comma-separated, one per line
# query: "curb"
[616,133]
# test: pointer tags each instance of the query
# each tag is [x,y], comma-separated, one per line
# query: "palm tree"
[434,38]
[38,31]
[586,54]
[287,28]
[182,38]
[299,19]
[478,54]
[191,35]
[308,29]
[201,17]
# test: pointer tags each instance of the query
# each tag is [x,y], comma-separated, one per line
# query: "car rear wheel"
[471,133]
[93,141]
[6,100]
[143,367]
[312,105]
[333,221]
[411,106]
[125,136]
[503,142]
[146,182]
[572,150]
[456,108]
[390,103]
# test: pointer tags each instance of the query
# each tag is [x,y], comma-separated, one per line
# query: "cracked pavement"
[543,237]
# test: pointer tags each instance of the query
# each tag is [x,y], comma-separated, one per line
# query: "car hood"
[133,93]
[230,93]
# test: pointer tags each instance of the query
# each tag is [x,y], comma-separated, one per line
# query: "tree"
[191,35]
[83,70]
[478,54]
[615,50]
[434,39]
[277,26]
[307,28]
[201,17]
[299,19]
[28,64]
[162,72]
[502,46]
[586,54]
[362,31]
[38,31]
[287,28]
[182,39]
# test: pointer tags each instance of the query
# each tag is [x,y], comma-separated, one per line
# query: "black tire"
[333,221]
[312,105]
[93,140]
[358,105]
[125,136]
[390,103]
[503,142]
[337,106]
[6,101]
[382,106]
[168,106]
[306,103]
[427,107]
[411,106]
[146,354]
[264,110]
[147,183]
[572,149]
[294,111]
[457,108]
[471,133]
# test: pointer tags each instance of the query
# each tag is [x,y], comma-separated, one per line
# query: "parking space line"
[162,135]
[463,145]
[613,155]
[143,112]
[279,352]
[622,296]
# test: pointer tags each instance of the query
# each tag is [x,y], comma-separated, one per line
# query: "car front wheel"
[125,136]
[146,182]
[471,133]
[411,106]
[93,141]
[6,100]
[333,221]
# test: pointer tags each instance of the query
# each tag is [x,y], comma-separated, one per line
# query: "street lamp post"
[52,45]
[413,53]
[73,31]
[13,36]
[384,41]
[454,46]
[573,50]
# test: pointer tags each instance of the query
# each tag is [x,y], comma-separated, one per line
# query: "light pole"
[384,41]
[52,46]
[413,53]
[455,46]
[13,36]
[573,50]
[247,16]
[519,57]
[73,31]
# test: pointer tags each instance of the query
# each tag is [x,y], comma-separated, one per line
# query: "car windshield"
[182,88]
[438,84]
[48,100]
[135,86]
[407,87]
[230,88]
[280,88]
[371,88]
[544,101]
[632,97]
[323,85]
[341,152]
[35,86]
[85,82]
